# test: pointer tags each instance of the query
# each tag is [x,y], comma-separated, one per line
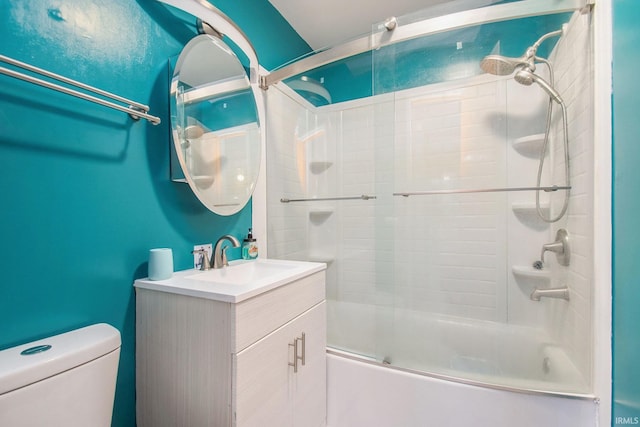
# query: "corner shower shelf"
[318,216]
[529,209]
[527,214]
[529,145]
[319,166]
[320,257]
[527,271]
[202,179]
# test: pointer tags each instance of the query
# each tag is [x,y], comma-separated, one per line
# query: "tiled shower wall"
[450,248]
[287,223]
[572,324]
[452,254]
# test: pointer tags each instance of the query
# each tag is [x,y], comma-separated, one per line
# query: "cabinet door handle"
[295,355]
[304,348]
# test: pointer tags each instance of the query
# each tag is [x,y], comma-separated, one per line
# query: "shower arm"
[530,56]
[556,33]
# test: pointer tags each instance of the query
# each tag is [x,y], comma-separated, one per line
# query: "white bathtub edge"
[362,394]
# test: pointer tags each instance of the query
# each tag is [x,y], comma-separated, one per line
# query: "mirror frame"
[206,197]
[221,23]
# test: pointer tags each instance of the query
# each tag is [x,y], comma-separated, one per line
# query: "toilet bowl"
[66,380]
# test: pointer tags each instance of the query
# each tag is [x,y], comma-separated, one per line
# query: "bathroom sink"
[242,273]
[239,281]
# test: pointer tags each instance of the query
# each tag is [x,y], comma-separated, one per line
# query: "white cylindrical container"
[160,264]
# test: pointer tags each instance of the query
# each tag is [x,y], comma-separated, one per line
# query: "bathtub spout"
[562,293]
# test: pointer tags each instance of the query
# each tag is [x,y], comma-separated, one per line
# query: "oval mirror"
[215,125]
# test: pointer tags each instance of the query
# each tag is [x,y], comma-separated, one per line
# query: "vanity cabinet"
[269,391]
[204,362]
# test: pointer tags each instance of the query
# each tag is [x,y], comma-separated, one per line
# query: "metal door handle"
[304,347]
[295,355]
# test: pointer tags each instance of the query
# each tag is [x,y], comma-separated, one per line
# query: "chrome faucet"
[560,247]
[562,293]
[219,253]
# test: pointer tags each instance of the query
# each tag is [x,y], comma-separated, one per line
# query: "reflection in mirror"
[216,131]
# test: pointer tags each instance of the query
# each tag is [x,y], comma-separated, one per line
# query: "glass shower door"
[432,269]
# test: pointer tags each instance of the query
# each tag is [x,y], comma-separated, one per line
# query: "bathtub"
[445,372]
[362,394]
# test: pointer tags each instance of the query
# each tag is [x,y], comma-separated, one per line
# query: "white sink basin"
[244,272]
[235,283]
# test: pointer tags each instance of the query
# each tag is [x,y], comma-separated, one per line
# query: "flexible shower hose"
[543,152]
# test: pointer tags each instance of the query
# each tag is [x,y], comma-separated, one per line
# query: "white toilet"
[66,380]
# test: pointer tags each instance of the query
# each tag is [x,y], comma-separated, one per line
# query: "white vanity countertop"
[235,283]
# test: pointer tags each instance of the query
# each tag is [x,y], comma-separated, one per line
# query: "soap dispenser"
[249,247]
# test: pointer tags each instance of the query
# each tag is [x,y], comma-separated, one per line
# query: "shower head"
[523,66]
[526,77]
[500,65]
[503,65]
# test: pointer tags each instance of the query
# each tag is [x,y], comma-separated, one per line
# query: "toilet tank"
[66,380]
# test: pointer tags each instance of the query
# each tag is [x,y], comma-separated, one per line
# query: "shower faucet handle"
[560,247]
[206,265]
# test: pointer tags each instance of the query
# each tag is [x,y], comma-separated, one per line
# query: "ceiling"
[324,23]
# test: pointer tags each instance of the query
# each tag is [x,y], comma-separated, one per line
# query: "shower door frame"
[426,27]
[602,45]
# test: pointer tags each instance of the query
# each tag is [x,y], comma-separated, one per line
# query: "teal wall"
[85,189]
[626,210]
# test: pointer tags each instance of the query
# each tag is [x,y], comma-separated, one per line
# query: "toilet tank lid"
[67,351]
